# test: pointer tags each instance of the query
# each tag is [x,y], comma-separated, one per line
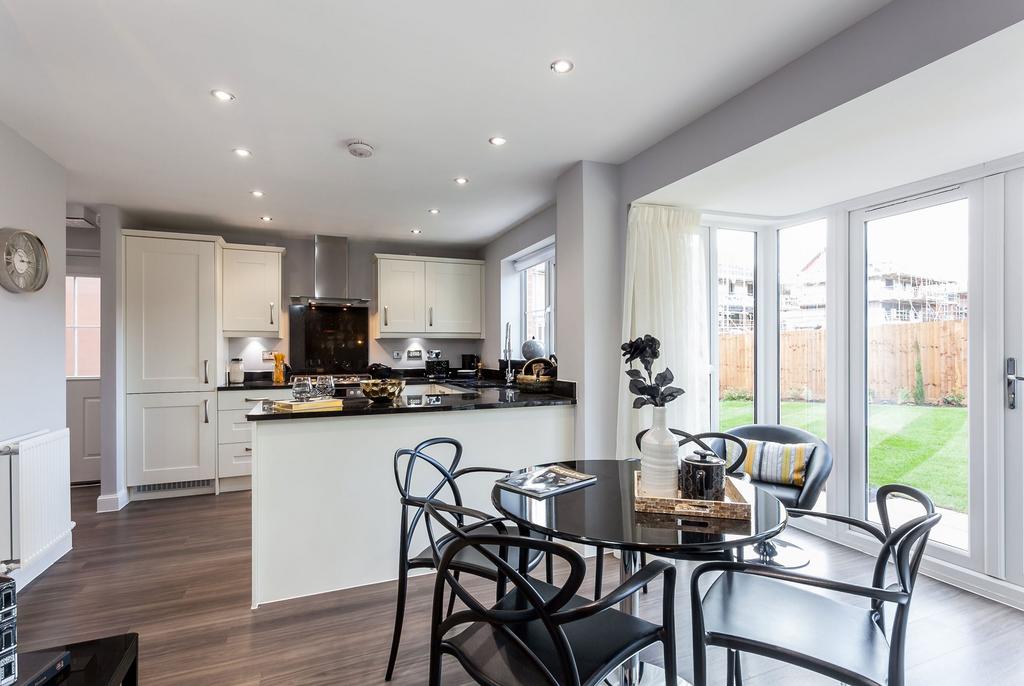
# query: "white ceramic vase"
[659,459]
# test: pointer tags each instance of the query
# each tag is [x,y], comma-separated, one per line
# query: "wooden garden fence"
[893,350]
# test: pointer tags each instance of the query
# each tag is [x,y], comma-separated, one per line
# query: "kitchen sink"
[431,389]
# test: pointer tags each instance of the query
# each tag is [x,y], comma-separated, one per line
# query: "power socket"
[268,356]
[396,355]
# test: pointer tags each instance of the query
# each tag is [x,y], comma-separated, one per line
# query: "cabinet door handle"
[271,313]
[206,371]
[248,450]
[255,400]
[385,315]
[431,319]
[206,412]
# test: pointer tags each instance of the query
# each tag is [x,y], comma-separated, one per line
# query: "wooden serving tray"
[735,505]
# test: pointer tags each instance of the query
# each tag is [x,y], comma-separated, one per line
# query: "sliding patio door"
[920,333]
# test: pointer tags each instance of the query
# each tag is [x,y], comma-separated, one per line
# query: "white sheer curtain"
[666,295]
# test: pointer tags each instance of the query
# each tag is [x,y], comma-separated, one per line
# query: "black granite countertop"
[481,399]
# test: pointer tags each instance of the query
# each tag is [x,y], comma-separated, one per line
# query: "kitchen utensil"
[379,371]
[382,391]
[702,476]
[236,370]
[436,369]
[302,388]
[279,366]
[470,361]
[536,376]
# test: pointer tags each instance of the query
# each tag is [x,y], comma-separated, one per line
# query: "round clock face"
[24,265]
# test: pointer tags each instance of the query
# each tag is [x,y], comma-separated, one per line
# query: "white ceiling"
[963,110]
[117,91]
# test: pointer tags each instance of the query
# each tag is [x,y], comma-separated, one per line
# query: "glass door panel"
[916,309]
[736,294]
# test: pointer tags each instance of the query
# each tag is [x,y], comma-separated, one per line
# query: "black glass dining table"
[603,514]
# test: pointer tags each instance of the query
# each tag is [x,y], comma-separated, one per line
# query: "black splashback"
[328,339]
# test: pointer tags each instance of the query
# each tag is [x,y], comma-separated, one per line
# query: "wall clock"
[25,262]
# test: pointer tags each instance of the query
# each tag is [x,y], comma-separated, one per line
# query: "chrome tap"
[509,375]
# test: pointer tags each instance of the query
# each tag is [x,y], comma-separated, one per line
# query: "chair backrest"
[711,441]
[406,462]
[495,548]
[904,545]
[818,468]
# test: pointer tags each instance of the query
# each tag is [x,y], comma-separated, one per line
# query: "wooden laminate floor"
[177,572]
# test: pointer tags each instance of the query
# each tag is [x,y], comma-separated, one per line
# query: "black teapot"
[702,476]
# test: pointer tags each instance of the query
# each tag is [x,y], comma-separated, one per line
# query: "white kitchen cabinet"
[234,432]
[171,437]
[170,315]
[454,297]
[234,459]
[400,296]
[252,292]
[433,296]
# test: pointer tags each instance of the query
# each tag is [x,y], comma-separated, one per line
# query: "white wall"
[32,385]
[897,39]
[502,282]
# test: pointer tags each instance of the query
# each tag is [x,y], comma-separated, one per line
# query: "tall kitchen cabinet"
[431,296]
[171,351]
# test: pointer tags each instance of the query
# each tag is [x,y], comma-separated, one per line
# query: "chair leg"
[549,567]
[669,647]
[396,637]
[599,574]
[730,674]
[451,599]
[736,669]
[434,668]
[700,662]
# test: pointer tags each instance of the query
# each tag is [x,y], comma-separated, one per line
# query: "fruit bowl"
[382,390]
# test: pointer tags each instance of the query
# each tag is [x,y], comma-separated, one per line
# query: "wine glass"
[325,386]
[302,388]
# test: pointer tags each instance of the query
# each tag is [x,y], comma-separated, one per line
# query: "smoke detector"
[360,149]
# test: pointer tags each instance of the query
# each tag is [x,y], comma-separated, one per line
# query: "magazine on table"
[545,482]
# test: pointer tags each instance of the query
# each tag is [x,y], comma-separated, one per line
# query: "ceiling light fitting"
[461,180]
[242,152]
[562,66]
[222,95]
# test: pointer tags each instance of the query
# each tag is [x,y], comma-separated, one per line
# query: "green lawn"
[922,446]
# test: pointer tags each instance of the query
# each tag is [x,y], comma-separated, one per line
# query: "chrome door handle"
[206,412]
[255,400]
[385,315]
[206,371]
[271,313]
[431,315]
[248,450]
[1011,383]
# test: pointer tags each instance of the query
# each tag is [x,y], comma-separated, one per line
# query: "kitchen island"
[325,505]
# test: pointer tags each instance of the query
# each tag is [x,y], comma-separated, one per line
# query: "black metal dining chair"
[406,462]
[769,611]
[537,633]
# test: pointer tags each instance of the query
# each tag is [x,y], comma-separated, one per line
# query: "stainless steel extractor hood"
[330,275]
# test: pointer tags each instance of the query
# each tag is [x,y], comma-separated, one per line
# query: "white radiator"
[39,477]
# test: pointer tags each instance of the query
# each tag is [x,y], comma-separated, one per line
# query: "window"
[802,346]
[82,326]
[537,288]
[737,318]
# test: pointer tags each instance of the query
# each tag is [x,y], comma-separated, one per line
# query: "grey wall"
[297,279]
[502,303]
[897,39]
[589,298]
[32,385]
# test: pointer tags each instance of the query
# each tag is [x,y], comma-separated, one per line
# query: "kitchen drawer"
[234,459]
[232,427]
[245,399]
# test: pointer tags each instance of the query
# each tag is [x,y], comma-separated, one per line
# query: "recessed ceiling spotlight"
[221,95]
[242,152]
[416,231]
[256,194]
[562,66]
[497,140]
[461,180]
[434,210]
[266,218]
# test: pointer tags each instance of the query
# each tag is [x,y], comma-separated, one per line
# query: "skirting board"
[25,574]
[112,502]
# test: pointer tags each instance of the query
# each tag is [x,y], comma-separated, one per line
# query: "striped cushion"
[775,463]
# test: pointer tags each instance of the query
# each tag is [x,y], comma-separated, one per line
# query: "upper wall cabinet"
[252,291]
[442,298]
[170,315]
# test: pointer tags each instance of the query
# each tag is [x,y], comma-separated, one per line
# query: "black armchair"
[537,633]
[763,610]
[406,461]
